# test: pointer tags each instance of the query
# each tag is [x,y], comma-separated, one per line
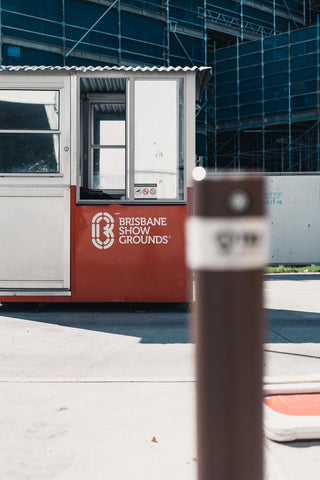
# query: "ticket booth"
[95,166]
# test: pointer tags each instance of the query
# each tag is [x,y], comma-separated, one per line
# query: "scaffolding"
[139,32]
[267,103]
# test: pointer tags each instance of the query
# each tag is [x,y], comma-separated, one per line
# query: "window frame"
[129,94]
[180,142]
[103,99]
[57,131]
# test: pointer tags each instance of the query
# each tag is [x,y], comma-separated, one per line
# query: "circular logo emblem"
[102,230]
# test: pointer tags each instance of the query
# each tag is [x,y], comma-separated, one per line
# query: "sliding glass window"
[132,141]
[108,148]
[158,152]
[29,131]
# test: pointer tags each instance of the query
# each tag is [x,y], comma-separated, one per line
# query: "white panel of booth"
[35,238]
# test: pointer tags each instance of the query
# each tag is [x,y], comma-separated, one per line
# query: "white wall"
[293,207]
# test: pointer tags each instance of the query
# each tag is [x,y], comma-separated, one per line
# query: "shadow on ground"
[153,323]
[158,323]
[302,444]
[290,326]
[295,277]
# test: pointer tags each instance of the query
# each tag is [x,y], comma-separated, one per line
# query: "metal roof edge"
[106,68]
[203,73]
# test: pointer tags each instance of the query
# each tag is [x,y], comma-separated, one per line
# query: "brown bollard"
[227,249]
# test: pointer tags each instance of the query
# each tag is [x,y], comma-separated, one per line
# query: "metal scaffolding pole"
[119,32]
[310,12]
[215,106]
[262,106]
[238,163]
[172,26]
[318,96]
[168,31]
[205,27]
[0,33]
[206,89]
[63,32]
[241,20]
[289,101]
[92,27]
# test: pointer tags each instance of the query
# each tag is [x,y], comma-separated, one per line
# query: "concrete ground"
[85,388]
[293,351]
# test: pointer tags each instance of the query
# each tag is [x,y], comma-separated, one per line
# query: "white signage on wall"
[145,190]
[128,231]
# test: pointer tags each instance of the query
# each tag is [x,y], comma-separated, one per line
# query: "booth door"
[35,189]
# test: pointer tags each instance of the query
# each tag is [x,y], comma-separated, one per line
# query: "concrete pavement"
[292,350]
[83,431]
[85,388]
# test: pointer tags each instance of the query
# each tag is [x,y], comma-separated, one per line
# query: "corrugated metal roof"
[109,107]
[103,84]
[202,73]
[123,68]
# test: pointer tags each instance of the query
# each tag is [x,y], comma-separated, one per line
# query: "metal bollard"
[227,250]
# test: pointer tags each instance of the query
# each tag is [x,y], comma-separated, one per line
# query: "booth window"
[29,131]
[108,147]
[104,146]
[158,157]
[132,144]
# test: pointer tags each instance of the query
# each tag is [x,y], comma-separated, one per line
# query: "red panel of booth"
[128,253]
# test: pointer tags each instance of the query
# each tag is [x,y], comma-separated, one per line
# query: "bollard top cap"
[227,194]
[198,174]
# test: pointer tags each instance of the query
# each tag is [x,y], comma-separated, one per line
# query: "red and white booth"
[95,167]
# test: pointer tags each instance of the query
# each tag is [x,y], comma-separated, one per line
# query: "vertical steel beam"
[215,105]
[289,102]
[241,20]
[226,249]
[205,28]
[238,161]
[318,95]
[262,105]
[0,33]
[119,33]
[63,33]
[300,156]
[310,12]
[206,88]
[164,41]
[168,31]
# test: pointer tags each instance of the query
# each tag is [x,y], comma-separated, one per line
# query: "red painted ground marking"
[302,404]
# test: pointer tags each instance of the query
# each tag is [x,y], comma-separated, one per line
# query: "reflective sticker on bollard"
[227,243]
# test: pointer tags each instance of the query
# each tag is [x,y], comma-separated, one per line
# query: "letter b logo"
[102,230]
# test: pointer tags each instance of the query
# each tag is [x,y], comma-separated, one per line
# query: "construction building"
[261,108]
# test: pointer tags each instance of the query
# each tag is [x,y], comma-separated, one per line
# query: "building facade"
[261,108]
